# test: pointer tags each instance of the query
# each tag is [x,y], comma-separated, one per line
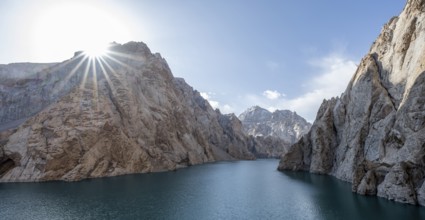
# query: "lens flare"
[96,50]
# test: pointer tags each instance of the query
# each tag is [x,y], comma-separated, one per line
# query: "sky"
[278,54]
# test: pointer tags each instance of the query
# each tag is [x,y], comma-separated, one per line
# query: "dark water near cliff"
[227,190]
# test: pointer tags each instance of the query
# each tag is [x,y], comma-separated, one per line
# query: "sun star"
[72,26]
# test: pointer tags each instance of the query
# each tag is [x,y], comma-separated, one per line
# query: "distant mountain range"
[283,124]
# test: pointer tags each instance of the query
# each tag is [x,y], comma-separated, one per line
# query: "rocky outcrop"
[22,70]
[27,88]
[373,135]
[268,147]
[123,113]
[273,132]
[5,162]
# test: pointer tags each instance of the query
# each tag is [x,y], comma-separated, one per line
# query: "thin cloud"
[205,95]
[215,104]
[272,94]
[334,73]
[334,76]
[226,109]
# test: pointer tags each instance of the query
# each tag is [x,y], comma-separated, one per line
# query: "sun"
[66,27]
[96,50]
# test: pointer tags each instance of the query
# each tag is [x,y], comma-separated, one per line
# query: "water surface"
[225,190]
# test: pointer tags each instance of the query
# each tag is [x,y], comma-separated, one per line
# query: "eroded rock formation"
[373,135]
[124,113]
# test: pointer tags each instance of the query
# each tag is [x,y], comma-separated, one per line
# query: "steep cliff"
[373,135]
[21,95]
[122,113]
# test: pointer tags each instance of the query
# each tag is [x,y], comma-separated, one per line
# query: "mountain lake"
[222,190]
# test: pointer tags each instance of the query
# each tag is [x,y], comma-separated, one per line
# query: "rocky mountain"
[373,135]
[284,124]
[118,114]
[22,70]
[274,132]
[21,95]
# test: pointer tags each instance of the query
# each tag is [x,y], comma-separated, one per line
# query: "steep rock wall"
[124,113]
[373,135]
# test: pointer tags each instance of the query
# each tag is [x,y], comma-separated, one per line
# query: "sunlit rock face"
[118,114]
[373,135]
[277,130]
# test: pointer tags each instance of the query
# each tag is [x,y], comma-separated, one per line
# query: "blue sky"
[277,54]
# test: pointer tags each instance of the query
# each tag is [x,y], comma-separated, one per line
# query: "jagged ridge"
[125,114]
[284,124]
[274,131]
[373,135]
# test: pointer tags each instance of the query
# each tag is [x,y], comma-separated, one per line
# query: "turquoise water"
[225,190]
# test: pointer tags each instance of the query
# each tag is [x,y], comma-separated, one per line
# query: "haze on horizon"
[276,54]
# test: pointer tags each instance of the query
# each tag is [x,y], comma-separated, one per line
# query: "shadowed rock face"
[122,114]
[373,135]
[21,95]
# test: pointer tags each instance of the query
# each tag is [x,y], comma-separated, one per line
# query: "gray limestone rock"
[398,186]
[374,134]
[421,195]
[126,114]
[367,185]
